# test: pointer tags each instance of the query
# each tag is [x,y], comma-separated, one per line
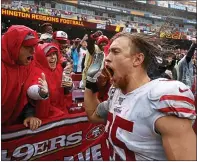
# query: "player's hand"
[85,37]
[43,85]
[96,68]
[32,122]
[97,34]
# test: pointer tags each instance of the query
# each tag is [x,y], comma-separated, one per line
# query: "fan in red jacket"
[17,52]
[54,102]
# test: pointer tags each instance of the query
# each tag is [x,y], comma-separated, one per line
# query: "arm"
[80,44]
[90,46]
[29,117]
[91,106]
[34,93]
[180,70]
[179,139]
[78,47]
[190,53]
[91,41]
[40,90]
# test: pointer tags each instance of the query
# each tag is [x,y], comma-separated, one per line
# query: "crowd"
[37,84]
[139,24]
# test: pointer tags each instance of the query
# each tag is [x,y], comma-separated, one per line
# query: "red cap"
[30,40]
[49,49]
[60,35]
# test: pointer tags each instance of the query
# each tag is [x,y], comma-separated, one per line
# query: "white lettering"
[4,154]
[57,140]
[81,157]
[74,138]
[68,158]
[96,153]
[28,153]
[40,147]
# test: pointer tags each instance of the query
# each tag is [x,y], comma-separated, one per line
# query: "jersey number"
[125,125]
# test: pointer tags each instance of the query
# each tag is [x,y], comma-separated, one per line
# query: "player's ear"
[138,59]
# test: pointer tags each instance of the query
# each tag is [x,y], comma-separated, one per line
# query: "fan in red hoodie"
[54,102]
[17,51]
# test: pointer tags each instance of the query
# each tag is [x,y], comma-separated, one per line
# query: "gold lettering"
[57,19]
[15,13]
[33,16]
[10,13]
[4,12]
[77,23]
[82,23]
[168,35]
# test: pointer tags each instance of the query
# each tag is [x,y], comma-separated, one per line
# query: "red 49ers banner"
[64,138]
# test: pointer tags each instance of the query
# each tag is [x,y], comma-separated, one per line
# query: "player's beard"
[121,83]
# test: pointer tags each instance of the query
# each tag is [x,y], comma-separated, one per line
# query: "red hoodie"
[13,76]
[57,102]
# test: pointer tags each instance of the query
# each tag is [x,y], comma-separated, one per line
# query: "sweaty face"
[119,62]
[52,60]
[25,55]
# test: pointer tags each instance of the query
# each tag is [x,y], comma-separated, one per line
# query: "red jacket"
[13,76]
[56,104]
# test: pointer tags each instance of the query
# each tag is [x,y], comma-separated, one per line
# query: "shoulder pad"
[172,97]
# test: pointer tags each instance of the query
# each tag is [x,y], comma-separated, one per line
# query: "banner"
[162,3]
[66,138]
[53,19]
[138,13]
[176,35]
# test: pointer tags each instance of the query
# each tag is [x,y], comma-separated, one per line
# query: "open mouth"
[52,63]
[110,71]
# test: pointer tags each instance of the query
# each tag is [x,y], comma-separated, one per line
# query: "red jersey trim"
[177,98]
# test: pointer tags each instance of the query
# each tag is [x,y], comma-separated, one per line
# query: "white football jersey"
[131,118]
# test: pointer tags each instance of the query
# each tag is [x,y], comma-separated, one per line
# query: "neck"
[135,81]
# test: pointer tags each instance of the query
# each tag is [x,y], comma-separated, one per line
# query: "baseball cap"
[60,35]
[45,36]
[49,49]
[30,40]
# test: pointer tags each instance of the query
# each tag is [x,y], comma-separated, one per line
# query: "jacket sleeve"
[3,83]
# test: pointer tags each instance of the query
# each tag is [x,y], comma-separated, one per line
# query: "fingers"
[67,84]
[31,124]
[26,122]
[35,123]
[43,76]
[40,81]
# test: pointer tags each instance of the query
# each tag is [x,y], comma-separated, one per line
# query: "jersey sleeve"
[173,98]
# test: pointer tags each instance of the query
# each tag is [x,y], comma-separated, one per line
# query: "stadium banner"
[71,1]
[52,19]
[138,13]
[83,3]
[162,3]
[175,35]
[191,9]
[179,7]
[59,139]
